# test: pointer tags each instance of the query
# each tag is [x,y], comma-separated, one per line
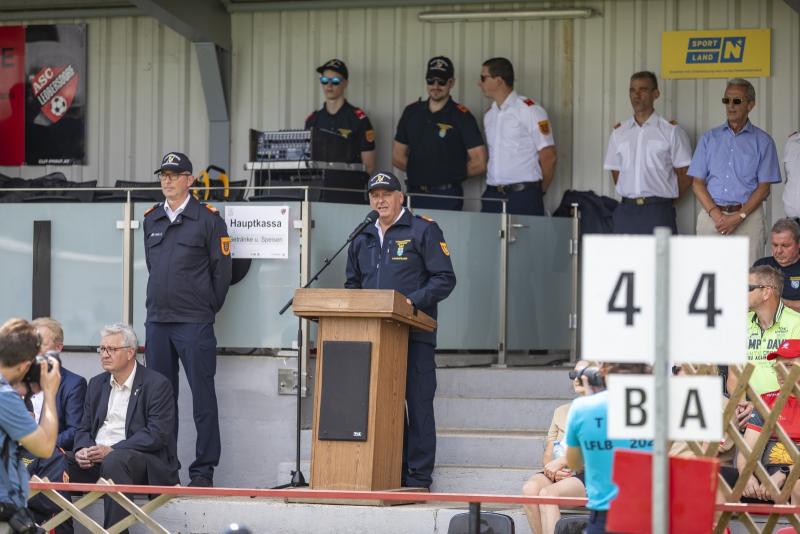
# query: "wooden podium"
[368,373]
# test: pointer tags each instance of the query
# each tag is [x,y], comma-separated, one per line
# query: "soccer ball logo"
[58,105]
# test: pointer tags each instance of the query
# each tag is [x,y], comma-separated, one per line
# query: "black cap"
[384,180]
[336,65]
[440,67]
[175,162]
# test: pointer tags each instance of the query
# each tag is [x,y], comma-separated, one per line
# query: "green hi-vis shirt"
[761,342]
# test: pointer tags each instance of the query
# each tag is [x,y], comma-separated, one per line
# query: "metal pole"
[573,316]
[127,260]
[661,376]
[474,518]
[305,267]
[503,318]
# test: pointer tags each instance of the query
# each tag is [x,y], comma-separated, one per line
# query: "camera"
[592,374]
[34,374]
[19,519]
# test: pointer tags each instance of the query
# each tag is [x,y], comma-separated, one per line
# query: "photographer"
[588,446]
[19,345]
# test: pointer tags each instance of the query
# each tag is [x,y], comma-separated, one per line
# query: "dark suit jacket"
[70,398]
[149,425]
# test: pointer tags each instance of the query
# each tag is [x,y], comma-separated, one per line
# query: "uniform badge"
[795,282]
[544,127]
[401,245]
[444,248]
[443,128]
[370,136]
[344,132]
[225,245]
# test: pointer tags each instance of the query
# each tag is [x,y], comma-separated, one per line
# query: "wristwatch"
[742,215]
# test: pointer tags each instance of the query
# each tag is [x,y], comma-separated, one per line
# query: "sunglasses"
[335,80]
[751,288]
[734,101]
[436,81]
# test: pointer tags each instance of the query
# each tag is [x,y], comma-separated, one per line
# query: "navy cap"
[175,162]
[384,180]
[440,67]
[336,65]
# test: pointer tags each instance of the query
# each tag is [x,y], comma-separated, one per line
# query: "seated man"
[776,458]
[785,238]
[127,430]
[69,406]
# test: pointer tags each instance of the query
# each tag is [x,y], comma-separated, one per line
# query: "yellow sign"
[715,54]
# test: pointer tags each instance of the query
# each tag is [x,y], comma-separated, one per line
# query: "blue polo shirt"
[587,428]
[733,165]
[15,423]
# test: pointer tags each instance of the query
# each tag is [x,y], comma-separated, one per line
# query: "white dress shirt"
[646,157]
[174,214]
[380,230]
[515,133]
[112,430]
[791,166]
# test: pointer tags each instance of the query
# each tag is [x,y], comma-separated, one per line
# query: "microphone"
[369,219]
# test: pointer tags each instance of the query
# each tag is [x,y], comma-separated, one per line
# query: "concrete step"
[489,447]
[495,413]
[536,382]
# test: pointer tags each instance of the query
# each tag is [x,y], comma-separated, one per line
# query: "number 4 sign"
[707,295]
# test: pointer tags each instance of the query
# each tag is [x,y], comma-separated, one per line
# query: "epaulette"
[673,122]
[529,102]
[617,125]
[311,116]
[210,208]
[793,133]
[154,206]
[462,108]
[424,218]
[360,113]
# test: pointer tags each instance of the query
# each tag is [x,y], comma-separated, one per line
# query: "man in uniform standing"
[732,167]
[341,133]
[438,142]
[791,166]
[187,249]
[522,152]
[408,254]
[648,157]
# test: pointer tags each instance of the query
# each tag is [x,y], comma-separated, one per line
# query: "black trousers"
[419,437]
[635,219]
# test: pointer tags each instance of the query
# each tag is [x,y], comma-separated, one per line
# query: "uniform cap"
[440,67]
[384,180]
[789,349]
[336,65]
[175,162]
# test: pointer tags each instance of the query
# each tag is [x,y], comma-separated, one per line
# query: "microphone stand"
[298,480]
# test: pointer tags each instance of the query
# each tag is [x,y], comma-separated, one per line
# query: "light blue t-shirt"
[15,423]
[587,428]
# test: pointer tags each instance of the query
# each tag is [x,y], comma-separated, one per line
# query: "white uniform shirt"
[791,166]
[37,400]
[380,230]
[646,157]
[515,133]
[112,430]
[174,214]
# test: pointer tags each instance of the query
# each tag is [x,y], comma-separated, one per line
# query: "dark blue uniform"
[190,270]
[415,261]
[437,151]
[791,276]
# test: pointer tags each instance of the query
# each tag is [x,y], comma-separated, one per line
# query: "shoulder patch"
[150,209]
[462,108]
[673,122]
[617,125]
[360,113]
[210,208]
[529,102]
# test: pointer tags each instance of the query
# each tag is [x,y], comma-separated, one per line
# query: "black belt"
[641,201]
[515,188]
[731,208]
[431,188]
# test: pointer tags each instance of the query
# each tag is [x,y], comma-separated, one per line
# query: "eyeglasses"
[734,101]
[335,80]
[753,288]
[109,350]
[164,177]
[484,76]
[436,81]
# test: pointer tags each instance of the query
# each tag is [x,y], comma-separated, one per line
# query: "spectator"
[522,152]
[791,166]
[19,345]
[341,133]
[733,167]
[556,479]
[69,406]
[786,258]
[776,458]
[770,324]
[127,430]
[648,157]
[438,142]
[587,426]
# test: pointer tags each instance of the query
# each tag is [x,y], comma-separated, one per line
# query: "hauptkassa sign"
[716,54]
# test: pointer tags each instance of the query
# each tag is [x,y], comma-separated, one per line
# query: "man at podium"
[408,254]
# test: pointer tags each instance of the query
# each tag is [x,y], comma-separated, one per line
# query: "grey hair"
[787,225]
[128,335]
[741,82]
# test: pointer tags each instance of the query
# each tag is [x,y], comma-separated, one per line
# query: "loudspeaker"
[344,403]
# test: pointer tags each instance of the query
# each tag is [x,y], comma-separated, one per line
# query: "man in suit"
[69,406]
[127,431]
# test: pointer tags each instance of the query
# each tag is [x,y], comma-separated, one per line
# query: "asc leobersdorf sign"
[715,54]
